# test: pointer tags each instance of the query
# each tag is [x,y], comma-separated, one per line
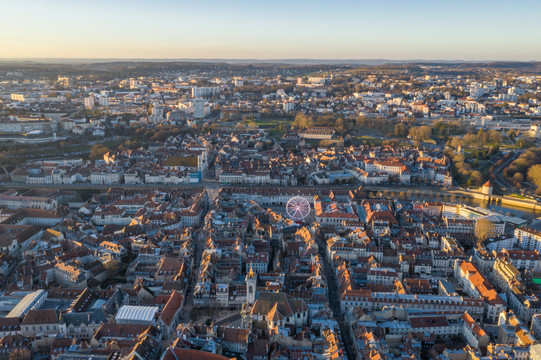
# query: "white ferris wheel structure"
[298,208]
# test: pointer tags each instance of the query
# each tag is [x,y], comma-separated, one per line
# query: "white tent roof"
[136,313]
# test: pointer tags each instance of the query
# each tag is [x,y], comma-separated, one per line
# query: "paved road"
[88,186]
[214,184]
[199,239]
[228,320]
[334,302]
[498,172]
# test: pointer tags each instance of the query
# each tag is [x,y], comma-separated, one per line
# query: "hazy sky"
[332,29]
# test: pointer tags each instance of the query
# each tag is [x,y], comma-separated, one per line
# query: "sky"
[276,29]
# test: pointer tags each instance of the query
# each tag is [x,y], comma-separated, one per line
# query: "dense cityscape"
[184,210]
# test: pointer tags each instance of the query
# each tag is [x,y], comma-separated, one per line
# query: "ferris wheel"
[298,208]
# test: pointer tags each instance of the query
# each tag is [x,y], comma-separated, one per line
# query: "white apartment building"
[89,102]
[528,239]
[107,177]
[366,299]
[205,91]
[18,97]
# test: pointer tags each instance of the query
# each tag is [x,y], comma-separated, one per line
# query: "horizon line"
[263,59]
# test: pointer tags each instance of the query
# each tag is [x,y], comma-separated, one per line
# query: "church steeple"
[251,283]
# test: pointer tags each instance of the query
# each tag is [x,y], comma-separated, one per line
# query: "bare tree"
[483,228]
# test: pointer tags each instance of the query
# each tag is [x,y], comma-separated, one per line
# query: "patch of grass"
[276,127]
[266,123]
[368,140]
[276,133]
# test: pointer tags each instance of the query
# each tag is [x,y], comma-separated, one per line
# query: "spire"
[251,273]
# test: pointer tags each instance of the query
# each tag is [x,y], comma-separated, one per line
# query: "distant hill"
[108,68]
[505,64]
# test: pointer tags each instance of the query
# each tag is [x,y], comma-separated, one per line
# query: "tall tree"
[483,228]
[534,175]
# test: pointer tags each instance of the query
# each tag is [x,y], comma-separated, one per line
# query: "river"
[508,210]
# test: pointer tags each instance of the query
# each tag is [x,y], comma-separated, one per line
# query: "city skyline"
[349,30]
[292,208]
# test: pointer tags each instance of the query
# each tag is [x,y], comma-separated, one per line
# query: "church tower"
[251,282]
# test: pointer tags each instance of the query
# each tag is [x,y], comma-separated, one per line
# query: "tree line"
[526,167]
[398,128]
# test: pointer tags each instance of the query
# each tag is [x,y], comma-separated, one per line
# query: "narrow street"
[199,242]
[334,302]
